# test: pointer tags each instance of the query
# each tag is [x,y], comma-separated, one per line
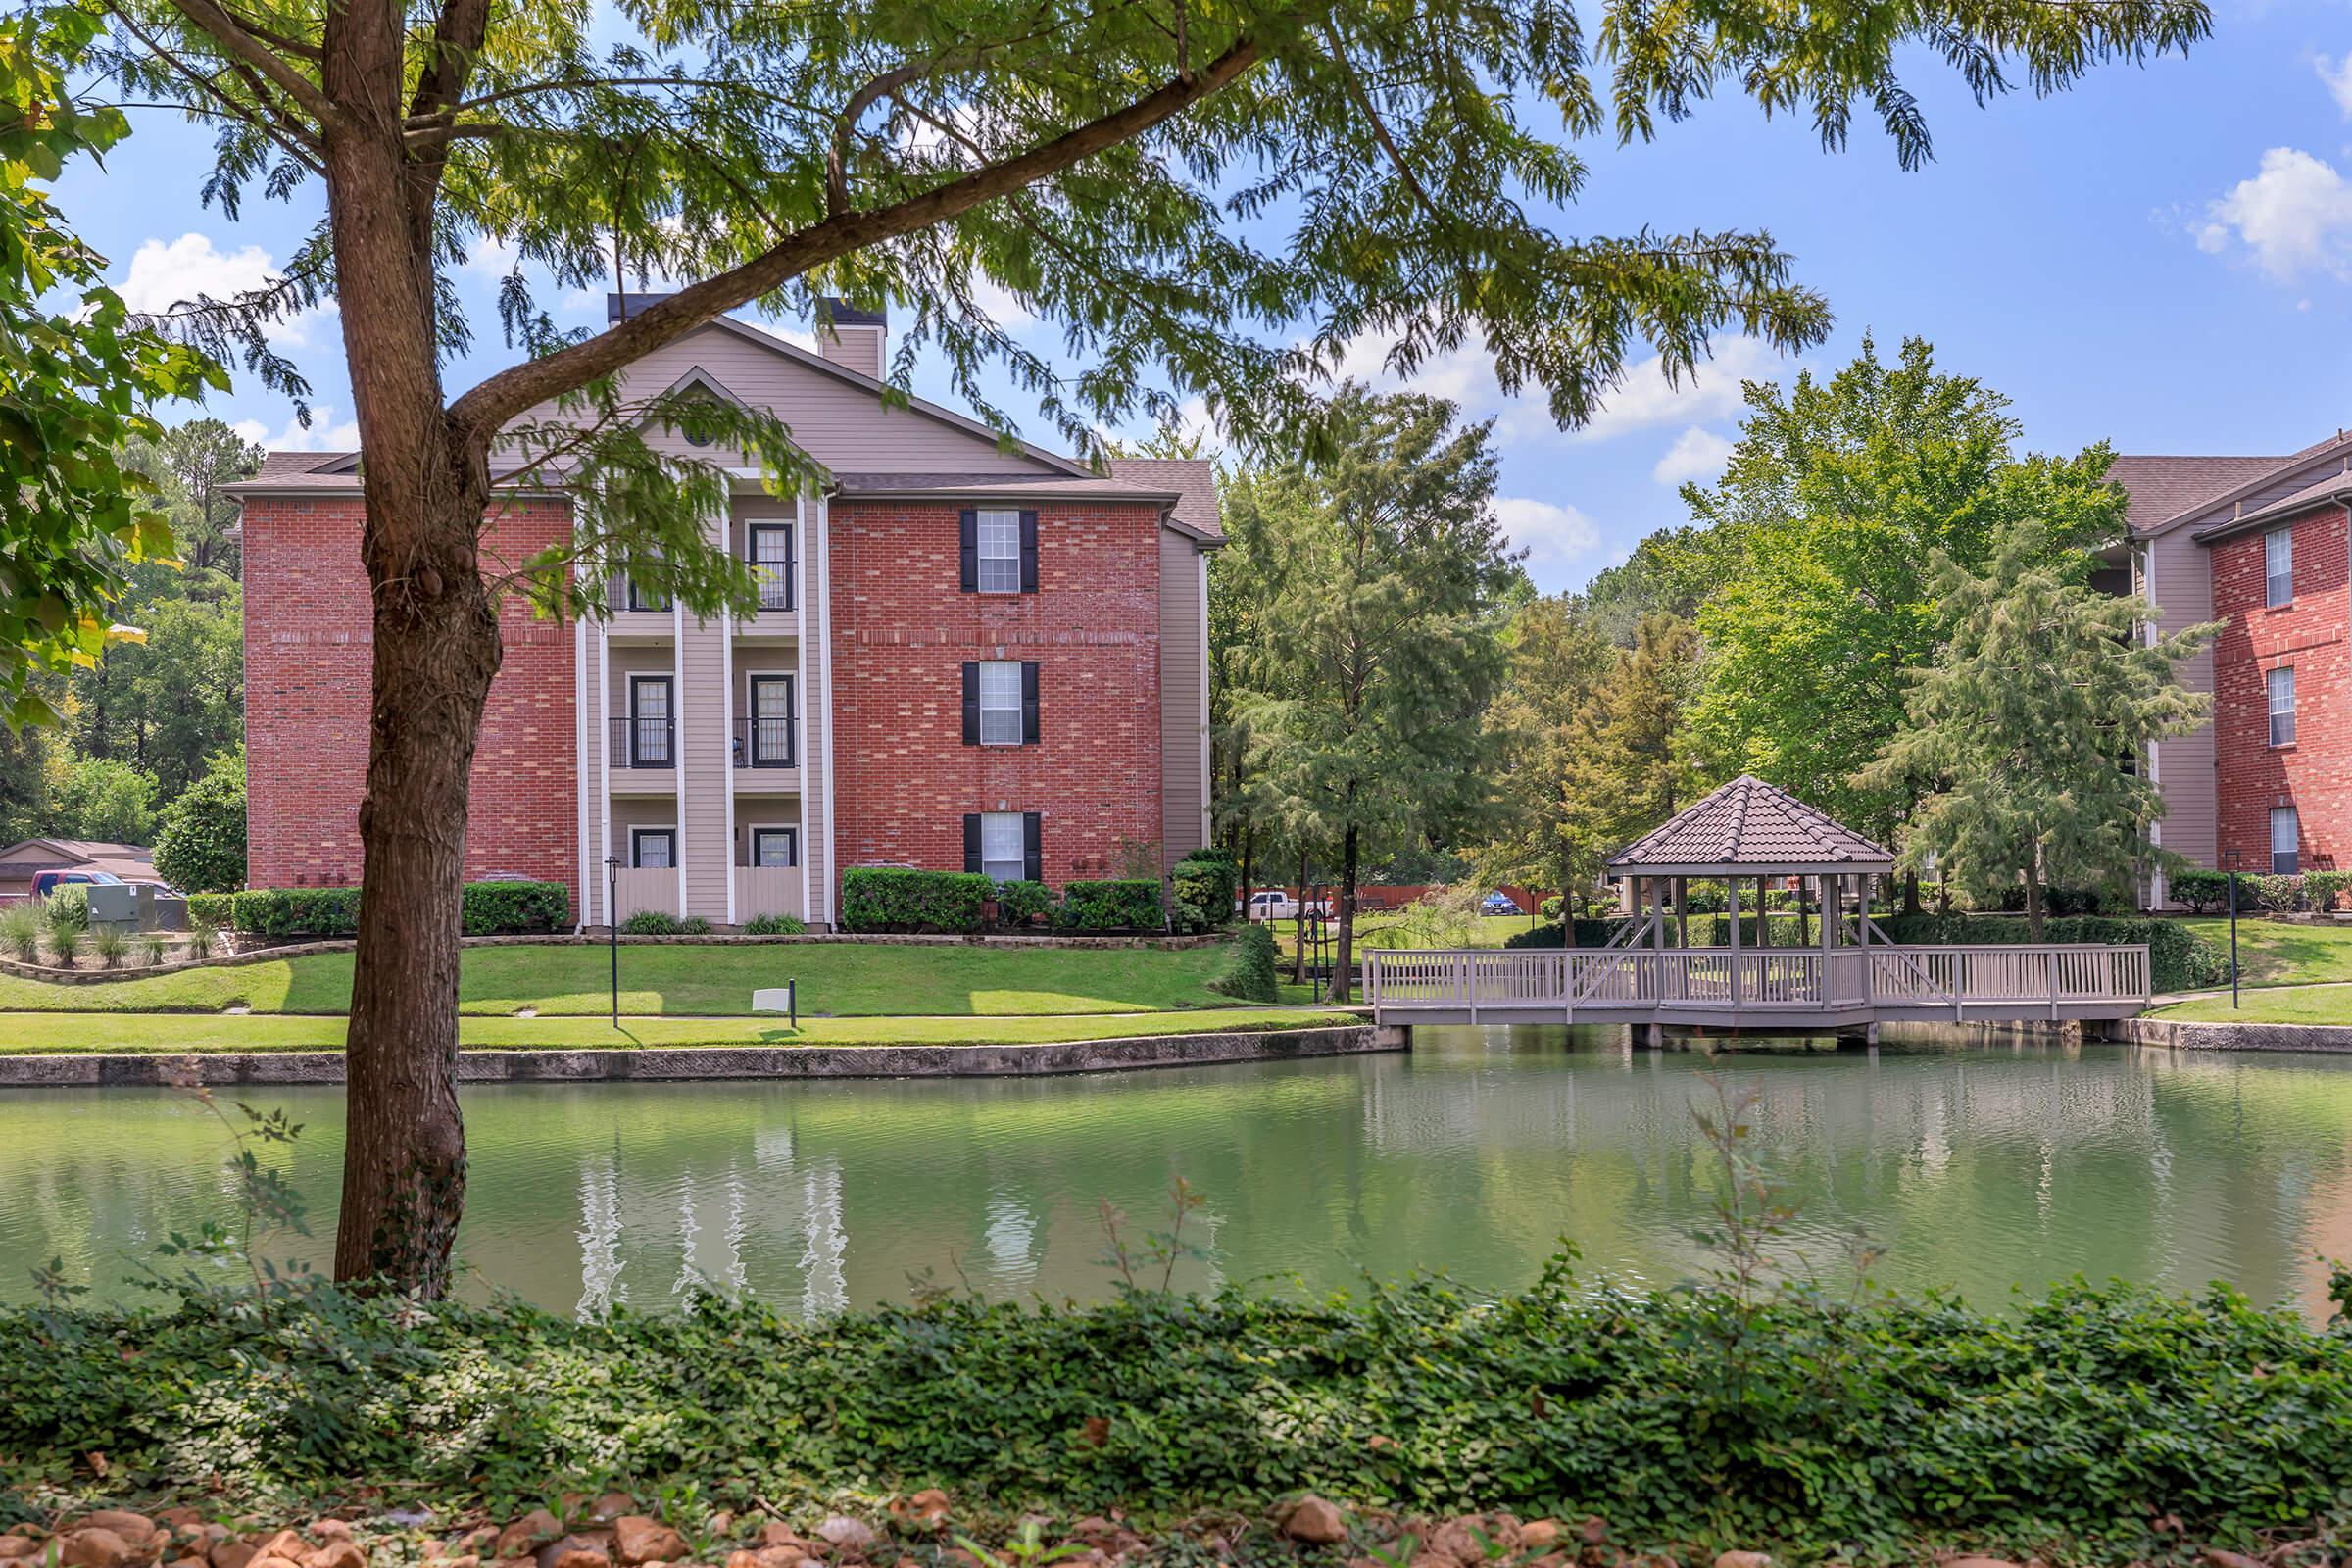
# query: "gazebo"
[1751,831]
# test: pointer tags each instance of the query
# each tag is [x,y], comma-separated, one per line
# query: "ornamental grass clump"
[112,945]
[20,932]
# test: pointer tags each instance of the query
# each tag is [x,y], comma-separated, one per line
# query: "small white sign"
[772,999]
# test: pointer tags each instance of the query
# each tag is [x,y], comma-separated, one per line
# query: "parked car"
[46,883]
[1499,903]
[1275,904]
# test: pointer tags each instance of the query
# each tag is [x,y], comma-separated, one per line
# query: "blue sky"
[2161,257]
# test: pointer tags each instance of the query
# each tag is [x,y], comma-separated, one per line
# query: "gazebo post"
[1682,912]
[1732,887]
[1829,935]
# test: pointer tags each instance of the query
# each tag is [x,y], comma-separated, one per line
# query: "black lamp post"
[612,928]
[2230,863]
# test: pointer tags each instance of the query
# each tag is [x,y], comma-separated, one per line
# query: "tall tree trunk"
[436,649]
[1910,892]
[1342,969]
[2033,894]
[1248,864]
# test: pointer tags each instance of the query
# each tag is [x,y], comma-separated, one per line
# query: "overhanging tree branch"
[222,27]
[477,416]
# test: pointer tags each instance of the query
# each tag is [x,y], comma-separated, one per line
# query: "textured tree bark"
[436,648]
[1342,969]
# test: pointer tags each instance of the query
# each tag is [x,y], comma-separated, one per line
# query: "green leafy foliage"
[1022,902]
[1120,904]
[875,897]
[100,798]
[1208,880]
[20,932]
[653,923]
[2204,892]
[200,847]
[79,374]
[2179,958]
[489,908]
[775,925]
[2066,1424]
[1251,975]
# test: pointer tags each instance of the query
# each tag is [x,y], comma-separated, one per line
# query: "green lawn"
[2268,1004]
[836,979]
[2275,953]
[80,1033]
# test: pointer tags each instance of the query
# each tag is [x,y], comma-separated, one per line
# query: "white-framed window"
[654,848]
[2281,686]
[1000,536]
[775,846]
[2277,566]
[2285,830]
[1001,701]
[1004,844]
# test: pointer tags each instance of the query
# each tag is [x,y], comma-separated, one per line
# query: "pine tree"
[1557,657]
[2030,724]
[1629,764]
[1379,650]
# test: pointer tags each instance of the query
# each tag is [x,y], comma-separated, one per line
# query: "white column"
[799,685]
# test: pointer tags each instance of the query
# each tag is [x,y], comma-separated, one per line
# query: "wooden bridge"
[1759,989]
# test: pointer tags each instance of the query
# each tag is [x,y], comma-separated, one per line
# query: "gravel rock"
[1316,1521]
[640,1540]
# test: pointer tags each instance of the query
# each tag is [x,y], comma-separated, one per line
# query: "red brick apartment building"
[963,659]
[2259,545]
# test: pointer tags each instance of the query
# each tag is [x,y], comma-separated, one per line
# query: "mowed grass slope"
[2275,953]
[836,979]
[162,1033]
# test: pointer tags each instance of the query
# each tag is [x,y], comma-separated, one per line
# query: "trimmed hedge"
[2088,1424]
[1589,934]
[2179,958]
[890,898]
[488,909]
[2202,891]
[1126,903]
[1020,903]
[1208,880]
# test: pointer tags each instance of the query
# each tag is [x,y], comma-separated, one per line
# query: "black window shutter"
[1028,701]
[971,704]
[1028,552]
[1032,854]
[967,525]
[971,842]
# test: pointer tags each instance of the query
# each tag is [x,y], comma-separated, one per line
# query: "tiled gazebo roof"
[1745,828]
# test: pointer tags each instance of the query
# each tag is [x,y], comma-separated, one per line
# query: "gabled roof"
[2169,491]
[2332,486]
[1749,827]
[1194,483]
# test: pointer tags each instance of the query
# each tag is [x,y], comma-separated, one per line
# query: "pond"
[1974,1166]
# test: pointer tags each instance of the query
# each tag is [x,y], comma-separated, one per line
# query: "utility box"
[160,910]
[114,905]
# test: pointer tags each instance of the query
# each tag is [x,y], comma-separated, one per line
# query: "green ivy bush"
[2202,891]
[2179,958]
[1252,976]
[1021,903]
[775,925]
[883,898]
[2089,1424]
[1208,880]
[1123,903]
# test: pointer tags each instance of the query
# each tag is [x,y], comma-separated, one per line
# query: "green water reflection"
[1975,1167]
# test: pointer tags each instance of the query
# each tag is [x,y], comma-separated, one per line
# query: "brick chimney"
[853,337]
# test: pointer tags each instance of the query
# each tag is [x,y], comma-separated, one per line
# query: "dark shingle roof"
[2162,488]
[1194,481]
[2325,488]
[1751,826]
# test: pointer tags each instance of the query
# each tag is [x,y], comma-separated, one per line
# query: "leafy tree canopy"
[200,844]
[77,377]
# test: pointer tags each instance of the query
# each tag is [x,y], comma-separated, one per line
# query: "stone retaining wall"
[2186,1036]
[685,1063]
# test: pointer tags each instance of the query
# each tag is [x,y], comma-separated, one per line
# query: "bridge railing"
[1777,979]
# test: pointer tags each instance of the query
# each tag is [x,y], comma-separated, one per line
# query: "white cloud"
[1697,454]
[1550,533]
[2294,217]
[1643,398]
[323,434]
[164,273]
[2337,74]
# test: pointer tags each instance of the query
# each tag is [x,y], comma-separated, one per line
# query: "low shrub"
[1587,933]
[2324,891]
[653,923]
[1020,903]
[153,946]
[216,910]
[2179,958]
[2100,1424]
[1252,976]
[288,914]
[110,943]
[1209,880]
[2057,900]
[514,909]
[2202,891]
[1551,908]
[21,931]
[1123,903]
[202,938]
[775,925]
[889,898]
[694,926]
[2272,894]
[485,909]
